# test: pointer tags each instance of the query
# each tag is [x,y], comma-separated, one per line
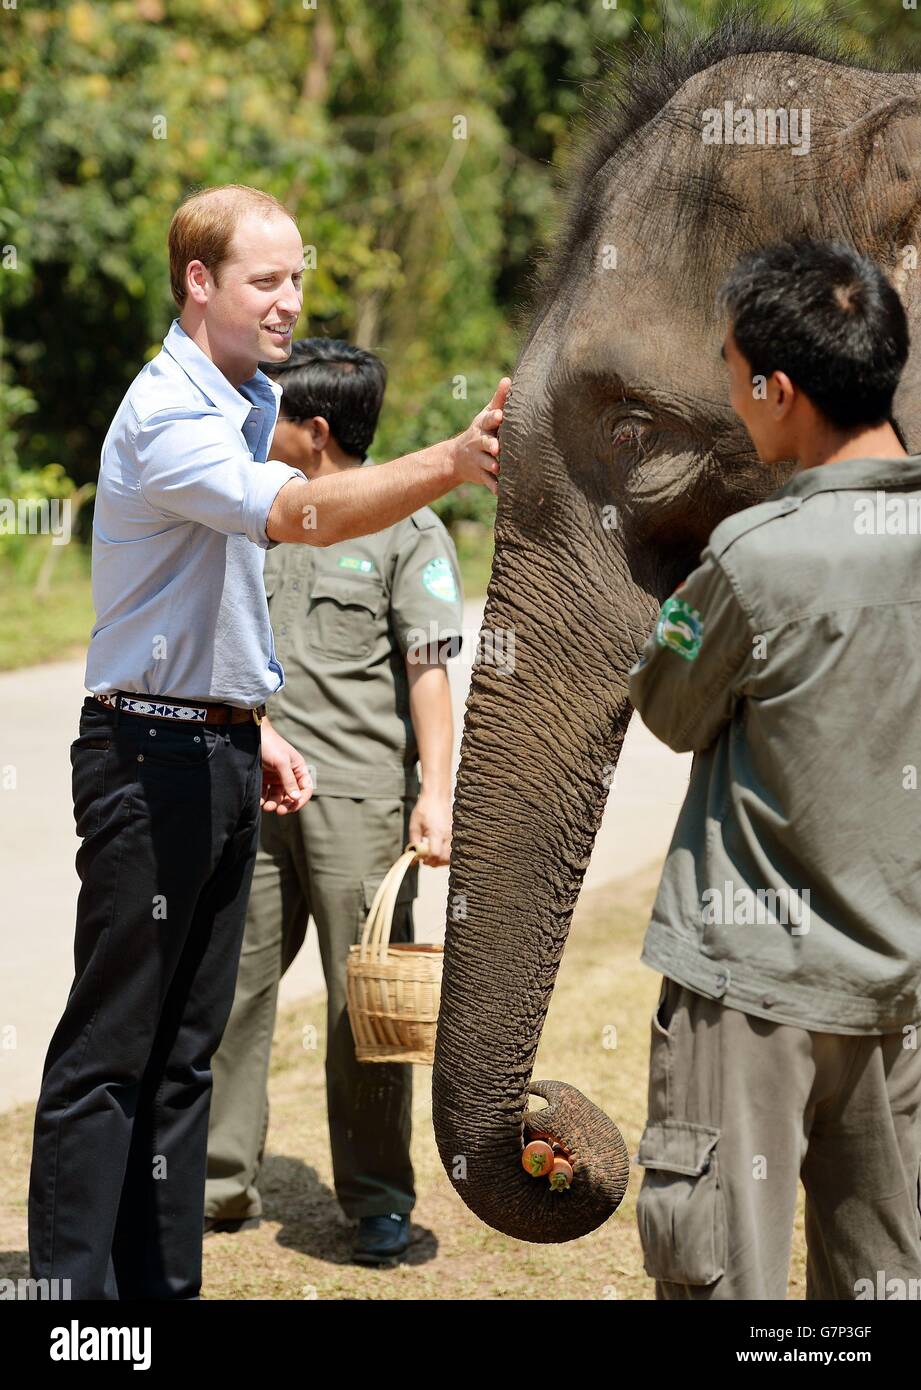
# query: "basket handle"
[375,936]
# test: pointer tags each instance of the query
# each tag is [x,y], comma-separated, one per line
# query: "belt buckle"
[256,715]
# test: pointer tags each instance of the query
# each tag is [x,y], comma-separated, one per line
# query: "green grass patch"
[50,627]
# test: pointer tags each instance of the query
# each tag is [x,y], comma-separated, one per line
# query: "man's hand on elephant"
[431,821]
[286,784]
[476,451]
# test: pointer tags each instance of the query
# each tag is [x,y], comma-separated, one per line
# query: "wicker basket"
[393,991]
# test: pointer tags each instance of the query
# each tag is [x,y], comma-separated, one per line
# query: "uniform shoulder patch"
[680,628]
[438,579]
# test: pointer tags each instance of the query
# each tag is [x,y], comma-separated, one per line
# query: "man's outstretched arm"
[359,501]
[694,665]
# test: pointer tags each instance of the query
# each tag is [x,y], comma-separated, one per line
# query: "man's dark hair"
[828,318]
[332,378]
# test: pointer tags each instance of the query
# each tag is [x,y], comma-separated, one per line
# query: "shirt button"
[295,586]
[140,757]
[153,733]
[283,631]
[722,982]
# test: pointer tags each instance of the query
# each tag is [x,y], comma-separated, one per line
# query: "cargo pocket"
[680,1209]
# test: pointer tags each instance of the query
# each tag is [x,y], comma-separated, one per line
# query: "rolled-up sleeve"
[691,671]
[192,465]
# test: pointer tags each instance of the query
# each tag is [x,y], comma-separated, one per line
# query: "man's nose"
[290,301]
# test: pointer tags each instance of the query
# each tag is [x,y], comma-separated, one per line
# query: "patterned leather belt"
[190,712]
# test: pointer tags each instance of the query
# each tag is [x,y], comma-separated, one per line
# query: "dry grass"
[301,1250]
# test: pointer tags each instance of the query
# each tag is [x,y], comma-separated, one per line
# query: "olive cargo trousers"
[325,862]
[739,1109]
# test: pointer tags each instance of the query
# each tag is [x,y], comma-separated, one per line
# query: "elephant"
[619,455]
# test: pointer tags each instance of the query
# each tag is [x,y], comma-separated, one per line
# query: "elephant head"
[619,456]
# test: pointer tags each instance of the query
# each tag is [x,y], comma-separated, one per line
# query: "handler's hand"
[431,820]
[286,782]
[476,451]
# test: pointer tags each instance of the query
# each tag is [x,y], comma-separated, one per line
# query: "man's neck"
[235,370]
[876,442]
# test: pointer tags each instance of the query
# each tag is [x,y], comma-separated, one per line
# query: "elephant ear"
[880,158]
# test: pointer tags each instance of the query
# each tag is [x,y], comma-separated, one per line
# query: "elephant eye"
[630,430]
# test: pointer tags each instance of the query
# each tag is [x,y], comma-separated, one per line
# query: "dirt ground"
[301,1249]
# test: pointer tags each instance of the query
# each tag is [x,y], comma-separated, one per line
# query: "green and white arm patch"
[680,628]
[438,579]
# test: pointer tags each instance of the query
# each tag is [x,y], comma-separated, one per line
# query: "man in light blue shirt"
[179,534]
[174,756]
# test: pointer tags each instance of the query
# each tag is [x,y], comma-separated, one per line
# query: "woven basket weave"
[393,991]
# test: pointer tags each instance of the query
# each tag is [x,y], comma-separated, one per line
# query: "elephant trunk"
[538,750]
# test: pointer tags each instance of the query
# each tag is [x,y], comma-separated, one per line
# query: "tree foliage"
[418,146]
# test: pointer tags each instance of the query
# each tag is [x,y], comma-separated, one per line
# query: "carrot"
[561,1177]
[537,1158]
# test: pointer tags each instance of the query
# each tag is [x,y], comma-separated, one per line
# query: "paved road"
[38,718]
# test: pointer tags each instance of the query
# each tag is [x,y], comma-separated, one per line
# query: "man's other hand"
[476,451]
[286,784]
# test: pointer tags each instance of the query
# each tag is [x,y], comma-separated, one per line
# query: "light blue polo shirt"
[179,536]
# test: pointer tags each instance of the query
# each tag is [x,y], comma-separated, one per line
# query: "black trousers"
[168,813]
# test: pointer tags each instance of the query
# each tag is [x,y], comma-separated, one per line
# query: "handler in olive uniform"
[785,1042]
[360,627]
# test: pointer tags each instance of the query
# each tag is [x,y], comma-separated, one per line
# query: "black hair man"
[363,629]
[786,923]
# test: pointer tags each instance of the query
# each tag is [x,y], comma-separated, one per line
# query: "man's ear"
[196,282]
[319,432]
[786,391]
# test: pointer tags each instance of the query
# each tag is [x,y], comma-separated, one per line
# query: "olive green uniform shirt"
[789,662]
[344,618]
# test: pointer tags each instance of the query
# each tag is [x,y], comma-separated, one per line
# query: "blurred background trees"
[419,147]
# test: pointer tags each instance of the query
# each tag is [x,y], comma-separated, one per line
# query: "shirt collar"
[258,391]
[857,474]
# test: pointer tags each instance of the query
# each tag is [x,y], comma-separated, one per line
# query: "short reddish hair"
[203,226]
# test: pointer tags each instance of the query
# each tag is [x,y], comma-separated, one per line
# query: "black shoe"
[381,1239]
[243,1223]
